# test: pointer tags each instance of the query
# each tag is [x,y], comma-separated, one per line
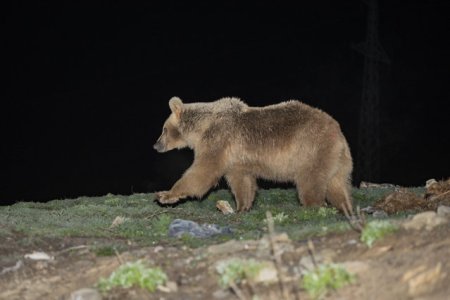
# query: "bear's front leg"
[166,197]
[195,182]
[243,187]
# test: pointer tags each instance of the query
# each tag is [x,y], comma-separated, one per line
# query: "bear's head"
[171,137]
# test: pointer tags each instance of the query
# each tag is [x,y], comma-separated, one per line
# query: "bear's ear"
[176,106]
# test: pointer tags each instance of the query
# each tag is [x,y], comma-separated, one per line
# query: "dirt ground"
[408,264]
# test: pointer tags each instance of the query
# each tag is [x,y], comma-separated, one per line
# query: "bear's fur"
[286,142]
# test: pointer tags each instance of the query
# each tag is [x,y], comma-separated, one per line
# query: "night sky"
[87,86]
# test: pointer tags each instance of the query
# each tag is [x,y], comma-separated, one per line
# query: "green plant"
[317,213]
[325,277]
[279,218]
[376,230]
[134,274]
[235,270]
[160,226]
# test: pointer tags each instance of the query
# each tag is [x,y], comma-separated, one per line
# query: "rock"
[224,207]
[85,294]
[179,227]
[368,210]
[38,256]
[427,220]
[422,279]
[379,214]
[430,182]
[443,211]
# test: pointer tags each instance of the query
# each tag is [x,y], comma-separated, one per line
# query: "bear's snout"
[158,146]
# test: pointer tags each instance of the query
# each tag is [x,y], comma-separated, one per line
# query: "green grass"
[376,230]
[326,277]
[133,274]
[236,270]
[147,222]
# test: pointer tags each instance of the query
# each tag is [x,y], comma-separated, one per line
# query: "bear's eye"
[164,130]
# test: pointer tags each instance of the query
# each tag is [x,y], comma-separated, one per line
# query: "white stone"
[36,255]
[85,294]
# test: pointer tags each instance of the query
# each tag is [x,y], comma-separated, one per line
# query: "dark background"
[87,85]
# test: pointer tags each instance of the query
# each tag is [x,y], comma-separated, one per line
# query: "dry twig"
[358,221]
[434,197]
[276,255]
[312,252]
[119,257]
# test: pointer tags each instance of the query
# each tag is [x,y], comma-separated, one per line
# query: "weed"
[376,230]
[106,250]
[133,274]
[324,278]
[280,218]
[235,270]
[112,201]
[160,226]
[316,213]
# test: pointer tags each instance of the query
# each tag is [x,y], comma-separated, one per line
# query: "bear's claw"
[166,197]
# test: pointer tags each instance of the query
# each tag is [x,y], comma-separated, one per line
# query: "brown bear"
[286,142]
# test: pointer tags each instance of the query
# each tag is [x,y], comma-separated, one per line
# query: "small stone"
[38,256]
[85,294]
[443,211]
[379,214]
[427,220]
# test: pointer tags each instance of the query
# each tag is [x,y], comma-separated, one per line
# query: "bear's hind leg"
[243,188]
[311,190]
[338,192]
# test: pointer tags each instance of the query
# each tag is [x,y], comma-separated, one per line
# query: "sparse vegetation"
[376,230]
[160,225]
[235,270]
[147,222]
[324,278]
[117,228]
[133,274]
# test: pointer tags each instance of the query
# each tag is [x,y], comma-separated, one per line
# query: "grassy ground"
[84,237]
[146,222]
